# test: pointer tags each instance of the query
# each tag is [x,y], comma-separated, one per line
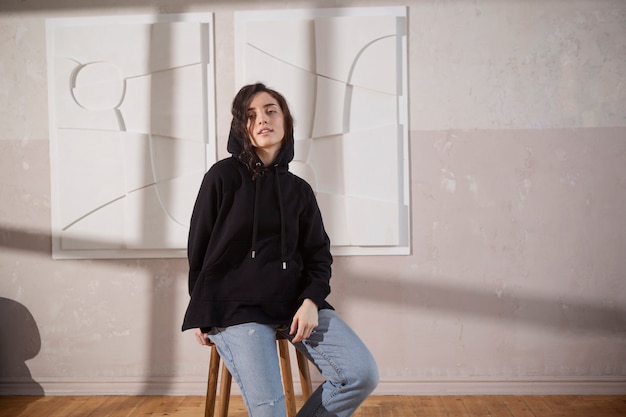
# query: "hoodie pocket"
[233,256]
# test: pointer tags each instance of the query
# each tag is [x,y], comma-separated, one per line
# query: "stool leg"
[224,391]
[211,391]
[285,365]
[305,375]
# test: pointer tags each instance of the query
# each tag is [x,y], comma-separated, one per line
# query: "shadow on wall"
[162,320]
[552,313]
[19,342]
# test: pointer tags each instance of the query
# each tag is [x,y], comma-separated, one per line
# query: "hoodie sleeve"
[315,246]
[203,217]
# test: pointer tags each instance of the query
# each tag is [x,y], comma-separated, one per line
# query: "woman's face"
[266,124]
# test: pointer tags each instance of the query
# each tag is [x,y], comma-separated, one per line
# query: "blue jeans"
[249,352]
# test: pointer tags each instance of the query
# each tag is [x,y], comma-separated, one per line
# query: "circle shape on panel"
[98,86]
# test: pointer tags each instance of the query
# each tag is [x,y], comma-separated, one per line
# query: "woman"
[260,262]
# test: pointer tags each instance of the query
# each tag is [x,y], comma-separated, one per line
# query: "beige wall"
[518,185]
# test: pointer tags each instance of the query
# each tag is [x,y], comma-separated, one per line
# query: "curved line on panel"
[156,183]
[347,102]
[108,203]
[315,99]
[72,83]
[89,213]
[120,119]
[116,109]
[118,113]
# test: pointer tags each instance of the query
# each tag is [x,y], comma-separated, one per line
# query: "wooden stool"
[285,365]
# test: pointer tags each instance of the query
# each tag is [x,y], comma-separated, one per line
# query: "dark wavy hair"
[240,125]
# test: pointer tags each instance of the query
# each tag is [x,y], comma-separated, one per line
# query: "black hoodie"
[257,247]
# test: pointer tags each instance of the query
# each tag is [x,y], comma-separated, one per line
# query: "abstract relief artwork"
[344,74]
[132,114]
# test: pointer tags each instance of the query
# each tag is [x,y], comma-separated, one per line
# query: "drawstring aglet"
[284,265]
[253,254]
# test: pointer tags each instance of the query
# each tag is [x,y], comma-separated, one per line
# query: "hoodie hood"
[285,155]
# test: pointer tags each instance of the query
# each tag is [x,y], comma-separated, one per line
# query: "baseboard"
[483,386]
[404,386]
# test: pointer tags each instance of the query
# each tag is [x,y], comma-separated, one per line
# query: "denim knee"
[365,376]
[371,378]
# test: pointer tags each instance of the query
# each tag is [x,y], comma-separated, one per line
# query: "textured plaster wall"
[515,283]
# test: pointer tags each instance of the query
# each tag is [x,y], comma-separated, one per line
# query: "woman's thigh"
[338,352]
[249,351]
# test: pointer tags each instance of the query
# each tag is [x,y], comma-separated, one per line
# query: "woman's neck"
[266,157]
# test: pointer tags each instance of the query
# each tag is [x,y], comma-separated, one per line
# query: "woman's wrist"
[309,301]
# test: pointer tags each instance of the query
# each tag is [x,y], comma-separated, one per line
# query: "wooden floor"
[403,406]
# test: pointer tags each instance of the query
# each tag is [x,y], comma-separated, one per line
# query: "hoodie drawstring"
[282,222]
[257,193]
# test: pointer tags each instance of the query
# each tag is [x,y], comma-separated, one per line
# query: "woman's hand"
[304,321]
[202,338]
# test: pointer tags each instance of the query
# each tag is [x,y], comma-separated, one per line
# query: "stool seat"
[285,366]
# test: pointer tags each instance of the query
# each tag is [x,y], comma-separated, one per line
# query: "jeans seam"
[234,372]
[337,370]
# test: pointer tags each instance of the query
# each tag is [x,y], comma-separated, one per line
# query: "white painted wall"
[515,283]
